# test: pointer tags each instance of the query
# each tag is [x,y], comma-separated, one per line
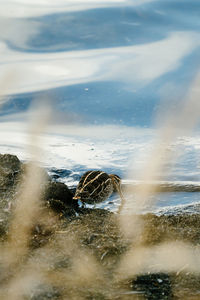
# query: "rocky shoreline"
[93,241]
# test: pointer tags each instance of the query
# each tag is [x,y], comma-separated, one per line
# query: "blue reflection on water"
[113,102]
[97,103]
[113,27]
[133,104]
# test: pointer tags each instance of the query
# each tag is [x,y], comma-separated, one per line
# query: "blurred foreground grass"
[67,252]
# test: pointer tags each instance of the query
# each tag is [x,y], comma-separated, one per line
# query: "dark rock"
[154,286]
[59,191]
[73,190]
[10,170]
[59,198]
[10,167]
[61,208]
[10,162]
[57,205]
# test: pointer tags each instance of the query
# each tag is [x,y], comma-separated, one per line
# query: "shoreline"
[86,254]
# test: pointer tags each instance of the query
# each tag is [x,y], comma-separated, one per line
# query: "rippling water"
[109,69]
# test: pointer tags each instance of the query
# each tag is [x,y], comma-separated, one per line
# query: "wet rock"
[61,209]
[58,197]
[59,191]
[154,286]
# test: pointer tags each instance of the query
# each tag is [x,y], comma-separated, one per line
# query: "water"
[109,69]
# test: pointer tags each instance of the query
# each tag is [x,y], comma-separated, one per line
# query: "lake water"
[112,72]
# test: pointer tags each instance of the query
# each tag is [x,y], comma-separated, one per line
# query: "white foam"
[67,150]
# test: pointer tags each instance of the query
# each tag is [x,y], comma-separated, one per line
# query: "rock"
[10,167]
[58,197]
[87,241]
[10,162]
[60,191]
[10,170]
[154,286]
[60,208]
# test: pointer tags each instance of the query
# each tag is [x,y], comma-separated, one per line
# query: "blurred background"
[111,71]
